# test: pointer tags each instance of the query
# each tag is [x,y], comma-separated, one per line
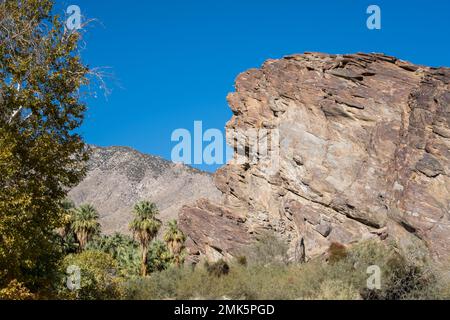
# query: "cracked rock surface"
[364,153]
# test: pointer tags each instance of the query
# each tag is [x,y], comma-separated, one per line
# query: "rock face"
[363,152]
[118,177]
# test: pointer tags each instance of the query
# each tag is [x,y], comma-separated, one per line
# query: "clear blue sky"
[175,61]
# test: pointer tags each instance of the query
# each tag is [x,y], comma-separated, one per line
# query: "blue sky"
[174,62]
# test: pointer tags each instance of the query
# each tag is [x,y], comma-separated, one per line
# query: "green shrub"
[99,277]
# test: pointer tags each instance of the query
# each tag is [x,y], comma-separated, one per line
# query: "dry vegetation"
[342,277]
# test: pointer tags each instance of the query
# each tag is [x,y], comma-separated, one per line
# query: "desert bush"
[442,287]
[269,249]
[241,260]
[159,286]
[218,268]
[337,252]
[403,275]
[343,279]
[241,282]
[336,290]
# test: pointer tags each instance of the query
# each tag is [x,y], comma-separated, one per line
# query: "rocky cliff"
[363,152]
[118,177]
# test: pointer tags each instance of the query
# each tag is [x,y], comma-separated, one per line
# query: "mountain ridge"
[119,176]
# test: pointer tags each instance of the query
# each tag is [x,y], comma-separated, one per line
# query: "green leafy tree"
[85,224]
[175,239]
[98,277]
[145,227]
[41,80]
[67,236]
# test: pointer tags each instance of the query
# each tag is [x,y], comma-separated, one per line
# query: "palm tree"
[145,227]
[85,224]
[175,239]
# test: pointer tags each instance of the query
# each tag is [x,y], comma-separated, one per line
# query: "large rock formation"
[364,152]
[118,177]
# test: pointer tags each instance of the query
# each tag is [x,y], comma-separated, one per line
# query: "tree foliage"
[41,77]
[123,249]
[159,257]
[15,291]
[85,224]
[98,277]
[145,227]
[175,239]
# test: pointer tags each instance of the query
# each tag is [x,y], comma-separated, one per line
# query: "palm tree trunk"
[81,241]
[144,262]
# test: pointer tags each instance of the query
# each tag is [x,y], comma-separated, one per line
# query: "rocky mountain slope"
[364,152]
[118,177]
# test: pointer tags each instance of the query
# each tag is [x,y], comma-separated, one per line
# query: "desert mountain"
[118,177]
[364,152]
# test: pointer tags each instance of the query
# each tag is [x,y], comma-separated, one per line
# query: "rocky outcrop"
[363,151]
[118,177]
[223,231]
